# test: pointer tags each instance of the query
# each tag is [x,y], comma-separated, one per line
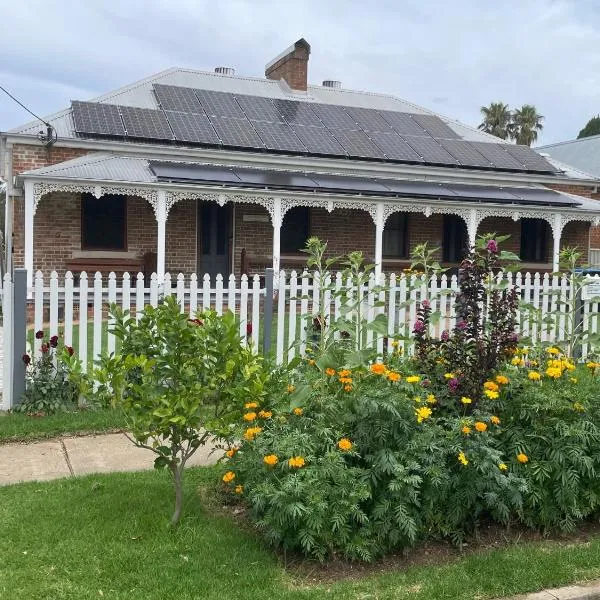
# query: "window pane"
[456,240]
[103,222]
[395,236]
[534,240]
[295,230]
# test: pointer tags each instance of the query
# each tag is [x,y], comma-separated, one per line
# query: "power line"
[22,105]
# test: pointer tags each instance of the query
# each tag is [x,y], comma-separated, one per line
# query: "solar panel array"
[221,119]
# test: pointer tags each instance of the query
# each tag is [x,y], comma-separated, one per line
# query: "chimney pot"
[332,83]
[225,70]
[291,65]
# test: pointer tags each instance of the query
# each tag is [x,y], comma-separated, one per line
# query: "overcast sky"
[451,56]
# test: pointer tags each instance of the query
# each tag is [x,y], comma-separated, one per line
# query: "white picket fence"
[79,311]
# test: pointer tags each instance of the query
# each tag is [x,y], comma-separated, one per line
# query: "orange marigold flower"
[345,445]
[348,388]
[466,430]
[290,388]
[480,426]
[229,477]
[231,452]
[522,458]
[378,369]
[329,372]
[392,376]
[250,416]
[239,489]
[344,372]
[490,385]
[296,462]
[298,411]
[251,433]
[251,405]
[271,460]
[502,379]
[265,414]
[345,379]
[495,420]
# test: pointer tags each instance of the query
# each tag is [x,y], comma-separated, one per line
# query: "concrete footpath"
[587,591]
[72,456]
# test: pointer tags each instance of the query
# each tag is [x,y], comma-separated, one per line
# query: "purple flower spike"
[492,247]
[426,304]
[419,327]
[461,325]
[445,336]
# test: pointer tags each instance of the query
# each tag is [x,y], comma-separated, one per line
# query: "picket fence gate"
[79,310]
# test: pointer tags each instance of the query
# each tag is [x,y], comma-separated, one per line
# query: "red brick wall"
[344,230]
[256,237]
[26,157]
[181,238]
[293,67]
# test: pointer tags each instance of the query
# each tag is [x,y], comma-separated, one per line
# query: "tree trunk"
[177,471]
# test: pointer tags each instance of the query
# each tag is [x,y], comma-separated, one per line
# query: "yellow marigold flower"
[395,343]
[250,416]
[578,407]
[573,379]
[553,372]
[290,388]
[449,376]
[229,477]
[569,366]
[296,462]
[271,460]
[345,379]
[265,414]
[503,467]
[495,420]
[231,452]
[378,369]
[465,400]
[298,411]
[534,376]
[251,405]
[553,351]
[311,362]
[392,376]
[431,399]
[329,372]
[344,372]
[480,426]
[490,385]
[348,388]
[422,413]
[466,430]
[345,445]
[463,459]
[491,394]
[522,458]
[251,433]
[413,379]
[239,489]
[592,365]
[502,379]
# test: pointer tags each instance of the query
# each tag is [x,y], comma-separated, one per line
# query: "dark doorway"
[214,229]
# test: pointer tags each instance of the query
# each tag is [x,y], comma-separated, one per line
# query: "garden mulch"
[81,455]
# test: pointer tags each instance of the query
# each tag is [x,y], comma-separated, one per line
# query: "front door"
[214,225]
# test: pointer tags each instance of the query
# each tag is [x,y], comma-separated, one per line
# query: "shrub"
[48,388]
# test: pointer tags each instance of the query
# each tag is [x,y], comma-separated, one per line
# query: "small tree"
[180,381]
[592,127]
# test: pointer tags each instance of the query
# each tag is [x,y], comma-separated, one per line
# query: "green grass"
[21,427]
[107,536]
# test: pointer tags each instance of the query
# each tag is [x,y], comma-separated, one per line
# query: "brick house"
[208,172]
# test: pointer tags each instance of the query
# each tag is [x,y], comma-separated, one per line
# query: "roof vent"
[332,83]
[225,70]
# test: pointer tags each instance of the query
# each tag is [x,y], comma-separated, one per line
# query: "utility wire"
[21,104]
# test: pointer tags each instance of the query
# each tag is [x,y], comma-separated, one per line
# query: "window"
[103,222]
[456,240]
[295,230]
[534,240]
[395,236]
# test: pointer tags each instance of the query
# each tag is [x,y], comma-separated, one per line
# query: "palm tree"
[526,125]
[497,120]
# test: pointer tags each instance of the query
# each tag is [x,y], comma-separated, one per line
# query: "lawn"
[16,427]
[107,537]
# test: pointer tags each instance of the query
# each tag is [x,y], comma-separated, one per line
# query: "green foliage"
[521,125]
[592,127]
[48,387]
[176,379]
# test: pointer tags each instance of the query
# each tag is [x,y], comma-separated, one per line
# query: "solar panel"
[146,123]
[353,184]
[236,132]
[278,136]
[480,192]
[299,113]
[368,119]
[276,179]
[418,188]
[219,104]
[318,140]
[334,117]
[97,118]
[465,153]
[259,109]
[497,154]
[530,158]
[356,143]
[188,127]
[436,127]
[193,172]
[430,150]
[176,98]
[394,146]
[543,196]
[403,123]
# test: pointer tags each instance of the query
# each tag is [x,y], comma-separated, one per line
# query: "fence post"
[18,334]
[579,316]
[268,311]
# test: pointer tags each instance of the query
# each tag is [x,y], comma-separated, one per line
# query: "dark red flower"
[39,335]
[249,329]
[70,350]
[425,383]
[445,336]
[45,348]
[196,321]
[492,247]
[54,341]
[26,359]
[461,325]
[453,384]
[426,304]
[419,327]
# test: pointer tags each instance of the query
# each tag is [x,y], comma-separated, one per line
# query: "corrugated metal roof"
[583,154]
[140,94]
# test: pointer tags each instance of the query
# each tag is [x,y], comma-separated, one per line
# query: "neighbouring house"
[209,172]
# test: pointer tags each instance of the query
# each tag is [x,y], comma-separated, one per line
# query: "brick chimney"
[291,65]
